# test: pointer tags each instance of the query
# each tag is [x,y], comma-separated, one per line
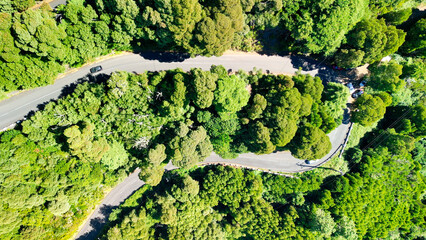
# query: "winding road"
[19,106]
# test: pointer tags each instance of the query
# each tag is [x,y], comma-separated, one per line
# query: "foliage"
[397,17]
[370,40]
[310,143]
[238,203]
[335,97]
[190,147]
[416,39]
[368,109]
[204,83]
[321,26]
[385,77]
[54,168]
[419,155]
[231,95]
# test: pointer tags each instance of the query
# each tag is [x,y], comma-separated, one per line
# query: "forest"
[38,44]
[57,165]
[59,162]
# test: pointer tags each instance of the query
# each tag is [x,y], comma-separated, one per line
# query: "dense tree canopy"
[368,42]
[82,30]
[238,203]
[231,95]
[55,166]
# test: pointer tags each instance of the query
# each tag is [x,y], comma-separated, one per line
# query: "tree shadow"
[325,71]
[414,17]
[304,63]
[100,223]
[346,116]
[165,56]
[70,88]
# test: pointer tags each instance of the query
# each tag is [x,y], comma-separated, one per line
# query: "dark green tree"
[261,139]
[371,38]
[368,109]
[416,39]
[385,77]
[397,17]
[310,143]
[204,84]
[257,107]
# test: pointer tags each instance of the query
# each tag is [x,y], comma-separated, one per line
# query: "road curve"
[16,107]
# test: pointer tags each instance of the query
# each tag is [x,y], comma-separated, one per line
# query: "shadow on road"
[346,116]
[325,72]
[165,56]
[304,63]
[97,223]
[70,88]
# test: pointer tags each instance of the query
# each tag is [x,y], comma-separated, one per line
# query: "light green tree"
[230,96]
[204,84]
[115,157]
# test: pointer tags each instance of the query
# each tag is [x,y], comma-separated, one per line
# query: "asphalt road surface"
[55,3]
[19,106]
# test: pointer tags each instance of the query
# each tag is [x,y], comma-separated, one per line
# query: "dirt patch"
[362,71]
[40,3]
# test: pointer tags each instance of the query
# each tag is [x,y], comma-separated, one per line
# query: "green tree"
[419,120]
[349,58]
[335,97]
[310,143]
[230,96]
[373,38]
[397,17]
[368,109]
[36,32]
[282,115]
[82,143]
[187,189]
[308,85]
[215,32]
[320,27]
[258,106]
[6,6]
[186,151]
[385,77]
[416,39]
[60,205]
[204,84]
[22,5]
[115,157]
[154,170]
[173,21]
[323,223]
[261,139]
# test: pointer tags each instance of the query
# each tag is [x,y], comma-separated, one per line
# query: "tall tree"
[372,39]
[230,96]
[368,109]
[310,143]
